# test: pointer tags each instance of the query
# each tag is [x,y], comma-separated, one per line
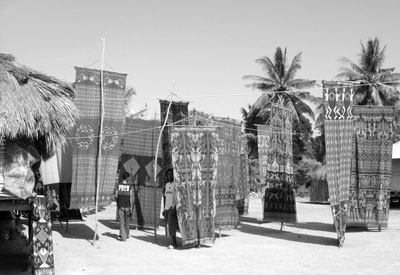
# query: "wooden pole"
[100,140]
[155,169]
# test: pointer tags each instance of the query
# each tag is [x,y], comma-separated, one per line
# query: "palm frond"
[301,83]
[269,68]
[294,67]
[352,65]
[300,106]
[262,86]
[258,78]
[387,70]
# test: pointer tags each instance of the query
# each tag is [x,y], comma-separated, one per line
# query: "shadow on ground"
[318,226]
[286,235]
[75,231]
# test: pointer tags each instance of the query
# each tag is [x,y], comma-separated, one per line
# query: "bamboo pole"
[155,169]
[100,140]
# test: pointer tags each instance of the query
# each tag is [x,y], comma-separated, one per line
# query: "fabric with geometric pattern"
[195,163]
[86,136]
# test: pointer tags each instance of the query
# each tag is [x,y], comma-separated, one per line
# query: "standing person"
[123,196]
[171,219]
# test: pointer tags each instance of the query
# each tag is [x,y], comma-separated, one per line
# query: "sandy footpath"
[308,247]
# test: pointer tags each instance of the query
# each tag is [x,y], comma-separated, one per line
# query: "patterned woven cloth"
[42,241]
[371,167]
[146,206]
[279,201]
[177,112]
[227,215]
[243,188]
[84,157]
[339,129]
[195,160]
[263,138]
[138,150]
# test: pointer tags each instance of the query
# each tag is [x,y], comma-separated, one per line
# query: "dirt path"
[308,247]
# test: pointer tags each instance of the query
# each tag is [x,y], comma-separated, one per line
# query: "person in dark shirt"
[123,197]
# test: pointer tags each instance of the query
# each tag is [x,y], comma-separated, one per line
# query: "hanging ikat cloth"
[86,144]
[138,150]
[177,114]
[371,167]
[243,188]
[279,199]
[42,240]
[195,162]
[227,215]
[263,136]
[339,129]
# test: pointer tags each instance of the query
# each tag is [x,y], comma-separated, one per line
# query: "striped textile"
[371,167]
[2,161]
[138,149]
[338,100]
[140,137]
[177,112]
[279,201]
[227,215]
[85,152]
[243,188]
[145,212]
[263,138]
[338,140]
[195,160]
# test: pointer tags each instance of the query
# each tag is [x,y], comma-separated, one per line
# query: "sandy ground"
[308,247]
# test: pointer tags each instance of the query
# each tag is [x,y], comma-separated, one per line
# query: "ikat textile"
[227,215]
[138,151]
[42,241]
[146,207]
[339,127]
[279,200]
[177,112]
[371,167]
[263,137]
[86,144]
[338,139]
[243,188]
[195,161]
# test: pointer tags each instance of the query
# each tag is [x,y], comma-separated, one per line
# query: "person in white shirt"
[171,220]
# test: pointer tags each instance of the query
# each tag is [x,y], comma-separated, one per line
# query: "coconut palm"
[377,84]
[280,85]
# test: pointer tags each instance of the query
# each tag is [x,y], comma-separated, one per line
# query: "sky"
[199,50]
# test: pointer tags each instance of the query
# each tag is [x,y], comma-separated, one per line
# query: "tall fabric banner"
[279,199]
[243,188]
[195,161]
[371,167]
[87,132]
[42,240]
[227,215]
[177,112]
[338,100]
[263,138]
[138,151]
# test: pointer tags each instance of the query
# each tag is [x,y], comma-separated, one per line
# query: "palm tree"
[280,85]
[377,84]
[128,96]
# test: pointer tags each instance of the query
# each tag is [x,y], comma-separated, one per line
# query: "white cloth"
[170,195]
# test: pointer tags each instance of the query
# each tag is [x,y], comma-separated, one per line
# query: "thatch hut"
[36,111]
[34,107]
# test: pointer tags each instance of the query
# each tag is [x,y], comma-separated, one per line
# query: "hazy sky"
[201,49]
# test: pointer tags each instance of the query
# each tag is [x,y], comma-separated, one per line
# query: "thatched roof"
[33,106]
